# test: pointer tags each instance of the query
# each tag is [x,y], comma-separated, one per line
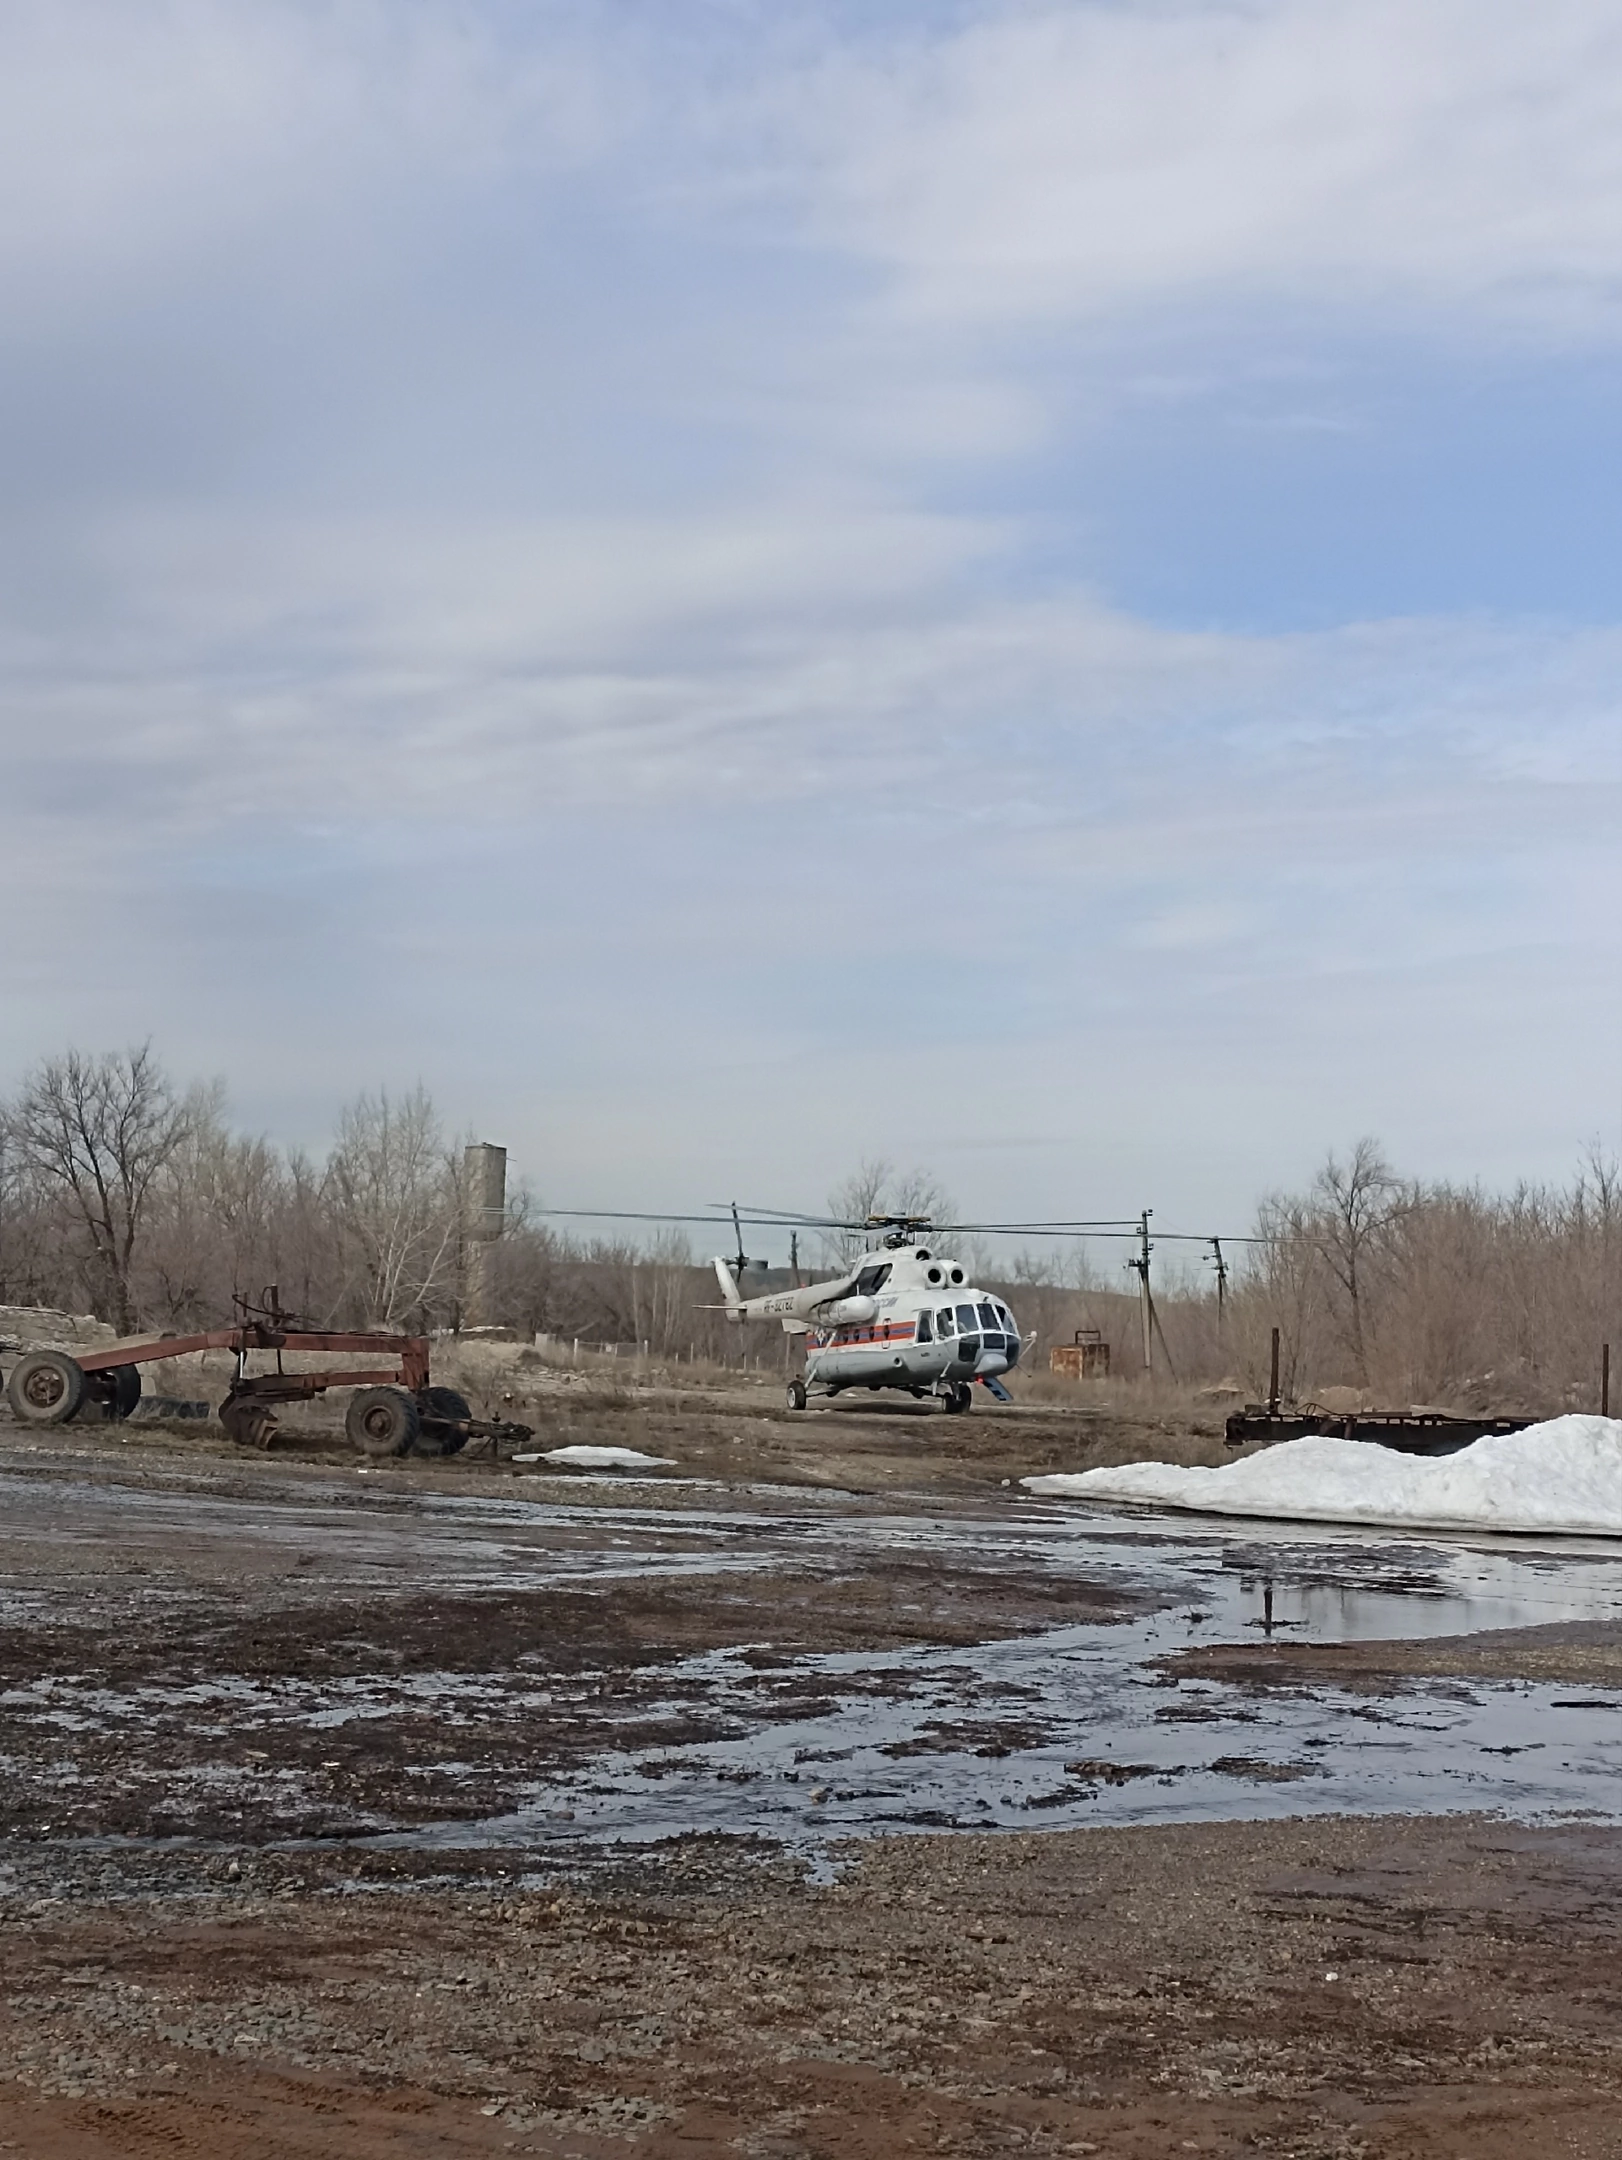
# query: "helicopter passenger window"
[872,1279]
[925,1333]
[943,1323]
[965,1320]
[988,1315]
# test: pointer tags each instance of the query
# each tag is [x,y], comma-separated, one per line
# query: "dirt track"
[1134,1993]
[244,1702]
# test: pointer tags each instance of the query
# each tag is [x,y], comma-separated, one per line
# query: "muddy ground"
[249,1706]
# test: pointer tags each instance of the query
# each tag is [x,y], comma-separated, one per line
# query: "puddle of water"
[1065,1727]
[1070,1726]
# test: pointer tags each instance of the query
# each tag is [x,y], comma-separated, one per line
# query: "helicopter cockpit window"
[925,1333]
[943,1323]
[988,1315]
[872,1279]
[965,1320]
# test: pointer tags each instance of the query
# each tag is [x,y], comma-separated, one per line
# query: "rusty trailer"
[395,1410]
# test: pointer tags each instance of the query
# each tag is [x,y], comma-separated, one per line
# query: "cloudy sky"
[735,584]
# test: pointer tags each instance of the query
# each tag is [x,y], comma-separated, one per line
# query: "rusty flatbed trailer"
[396,1408]
[1410,1432]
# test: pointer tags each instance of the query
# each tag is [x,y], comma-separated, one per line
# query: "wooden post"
[1604,1379]
[1272,1384]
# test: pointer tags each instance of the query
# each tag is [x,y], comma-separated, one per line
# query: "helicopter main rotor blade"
[790,1218]
[600,1214]
[786,1219]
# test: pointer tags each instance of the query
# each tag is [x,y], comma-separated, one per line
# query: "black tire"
[796,1394]
[126,1381]
[110,1394]
[382,1421]
[46,1387]
[958,1398]
[441,1410]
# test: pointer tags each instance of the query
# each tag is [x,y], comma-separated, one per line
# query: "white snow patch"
[602,1458]
[1564,1475]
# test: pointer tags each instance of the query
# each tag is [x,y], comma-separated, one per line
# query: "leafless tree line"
[128,1196]
[1399,1291]
[1440,1292]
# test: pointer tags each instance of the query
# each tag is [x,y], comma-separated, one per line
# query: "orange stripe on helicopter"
[893,1331]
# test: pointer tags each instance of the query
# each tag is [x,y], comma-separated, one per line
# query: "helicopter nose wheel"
[796,1394]
[959,1396]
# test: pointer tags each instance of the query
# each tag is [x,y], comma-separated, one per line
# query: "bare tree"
[215,1220]
[876,1187]
[101,1130]
[1285,1285]
[392,1189]
[1359,1204]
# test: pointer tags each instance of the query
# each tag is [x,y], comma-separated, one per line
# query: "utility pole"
[1221,1267]
[794,1255]
[1140,1268]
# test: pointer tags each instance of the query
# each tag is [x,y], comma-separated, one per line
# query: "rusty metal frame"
[409,1352]
[267,1328]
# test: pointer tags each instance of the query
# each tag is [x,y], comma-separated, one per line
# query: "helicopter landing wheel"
[796,1394]
[958,1397]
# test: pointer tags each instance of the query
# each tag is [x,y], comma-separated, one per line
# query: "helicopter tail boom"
[729,1290]
[796,1309]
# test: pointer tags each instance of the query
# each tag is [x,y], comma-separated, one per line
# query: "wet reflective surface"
[1078,1725]
[764,1730]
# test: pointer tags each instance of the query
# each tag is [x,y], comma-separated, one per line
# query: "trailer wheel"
[248,1423]
[382,1421]
[111,1393]
[443,1412]
[796,1394]
[46,1387]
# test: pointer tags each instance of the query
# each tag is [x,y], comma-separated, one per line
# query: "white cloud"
[142,137]
[401,614]
[1076,161]
[504,664]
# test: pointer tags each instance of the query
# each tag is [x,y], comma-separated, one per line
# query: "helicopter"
[901,1316]
[904,1314]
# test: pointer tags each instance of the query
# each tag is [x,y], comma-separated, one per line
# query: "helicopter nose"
[991,1361]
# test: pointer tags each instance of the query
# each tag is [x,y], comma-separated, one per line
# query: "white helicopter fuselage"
[902,1318]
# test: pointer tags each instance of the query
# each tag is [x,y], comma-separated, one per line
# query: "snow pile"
[1564,1475]
[601,1458]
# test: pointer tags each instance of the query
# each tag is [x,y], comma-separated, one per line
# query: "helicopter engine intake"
[847,1312]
